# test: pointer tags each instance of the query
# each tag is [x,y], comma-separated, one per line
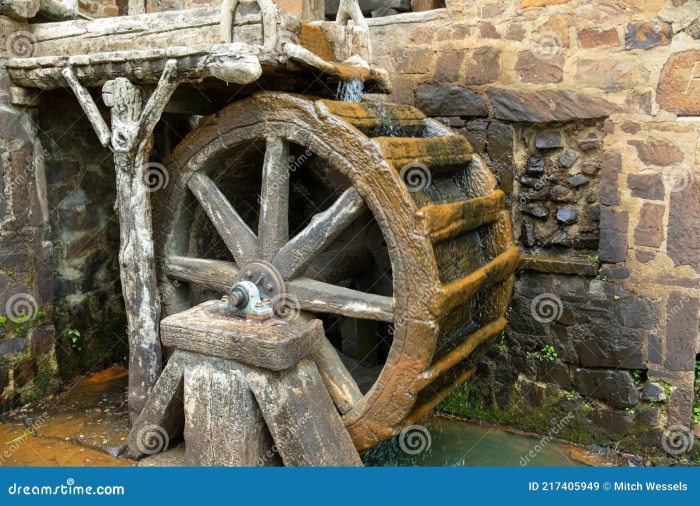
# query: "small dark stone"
[648,416]
[535,166]
[617,349]
[653,392]
[13,345]
[548,139]
[527,234]
[554,371]
[594,213]
[567,215]
[499,142]
[650,227]
[590,167]
[612,165]
[681,331]
[644,256]
[560,193]
[591,141]
[536,211]
[532,182]
[578,180]
[636,313]
[615,387]
[615,272]
[567,158]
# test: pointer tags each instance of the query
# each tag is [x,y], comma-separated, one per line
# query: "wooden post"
[131,140]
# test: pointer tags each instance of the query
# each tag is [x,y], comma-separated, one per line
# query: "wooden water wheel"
[371,217]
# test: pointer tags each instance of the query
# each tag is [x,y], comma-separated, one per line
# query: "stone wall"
[587,111]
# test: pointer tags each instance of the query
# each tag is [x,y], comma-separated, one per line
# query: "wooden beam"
[445,221]
[213,274]
[86,101]
[273,227]
[339,382]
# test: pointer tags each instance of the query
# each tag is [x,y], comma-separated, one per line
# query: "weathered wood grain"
[272,345]
[339,382]
[296,256]
[273,230]
[239,238]
[303,421]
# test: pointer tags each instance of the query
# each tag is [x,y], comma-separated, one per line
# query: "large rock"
[623,350]
[646,186]
[650,228]
[681,331]
[547,105]
[683,234]
[617,388]
[611,74]
[613,235]
[646,35]
[594,37]
[533,68]
[483,66]
[445,100]
[614,423]
[679,85]
[657,152]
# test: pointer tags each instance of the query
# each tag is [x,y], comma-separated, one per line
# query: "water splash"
[350,91]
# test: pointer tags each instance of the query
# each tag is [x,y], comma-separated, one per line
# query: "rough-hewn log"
[237,235]
[162,418]
[207,330]
[296,256]
[19,9]
[89,107]
[339,382]
[301,416]
[223,424]
[213,274]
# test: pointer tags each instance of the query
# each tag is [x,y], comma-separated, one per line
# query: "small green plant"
[601,278]
[74,336]
[696,415]
[616,297]
[549,353]
[502,345]
[3,321]
[592,258]
[637,375]
[697,370]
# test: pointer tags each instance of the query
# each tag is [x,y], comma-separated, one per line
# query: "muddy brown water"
[87,425]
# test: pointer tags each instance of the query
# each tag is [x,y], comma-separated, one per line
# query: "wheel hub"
[266,277]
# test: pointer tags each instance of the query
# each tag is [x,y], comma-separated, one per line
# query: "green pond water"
[447,442]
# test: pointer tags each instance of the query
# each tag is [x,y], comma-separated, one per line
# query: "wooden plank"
[445,221]
[272,345]
[223,425]
[433,152]
[273,229]
[322,297]
[162,418]
[304,423]
[454,357]
[296,256]
[499,269]
[237,235]
[339,382]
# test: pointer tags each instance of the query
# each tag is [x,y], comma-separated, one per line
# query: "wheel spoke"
[239,238]
[320,297]
[212,274]
[273,230]
[296,256]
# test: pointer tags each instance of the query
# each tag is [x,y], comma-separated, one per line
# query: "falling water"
[350,91]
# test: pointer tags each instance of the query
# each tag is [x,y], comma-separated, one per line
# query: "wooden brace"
[268,11]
